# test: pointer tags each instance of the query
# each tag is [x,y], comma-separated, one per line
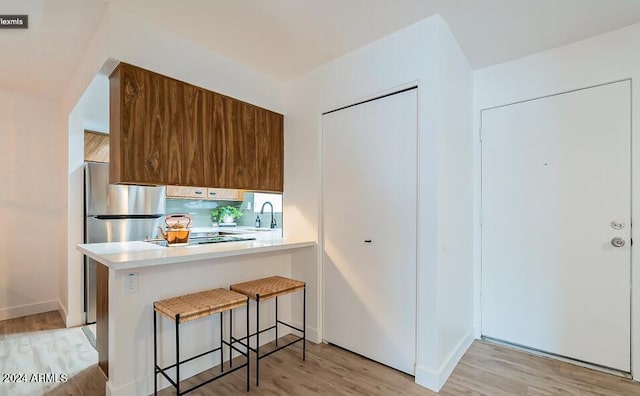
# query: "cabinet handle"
[212,193]
[199,192]
[367,241]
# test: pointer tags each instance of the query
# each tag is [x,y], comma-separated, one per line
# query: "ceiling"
[40,60]
[287,38]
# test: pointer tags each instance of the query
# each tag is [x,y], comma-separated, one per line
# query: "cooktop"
[202,240]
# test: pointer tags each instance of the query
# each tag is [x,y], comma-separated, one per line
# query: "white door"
[555,192]
[369,210]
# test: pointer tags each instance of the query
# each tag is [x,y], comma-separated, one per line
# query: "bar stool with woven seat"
[264,289]
[189,307]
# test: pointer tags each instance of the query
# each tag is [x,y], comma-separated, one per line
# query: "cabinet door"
[156,135]
[140,144]
[243,167]
[186,111]
[270,154]
[369,222]
[230,143]
[217,129]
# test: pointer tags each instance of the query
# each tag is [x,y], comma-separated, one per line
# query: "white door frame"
[635,339]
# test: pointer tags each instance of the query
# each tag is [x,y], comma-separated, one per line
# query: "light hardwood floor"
[486,369]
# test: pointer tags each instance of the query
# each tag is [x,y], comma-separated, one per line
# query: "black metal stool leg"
[231,337]
[222,344]
[178,355]
[155,354]
[304,323]
[258,340]
[276,320]
[248,352]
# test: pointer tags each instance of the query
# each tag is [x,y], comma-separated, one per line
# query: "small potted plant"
[225,214]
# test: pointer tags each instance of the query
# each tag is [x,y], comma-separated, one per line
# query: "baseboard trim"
[435,380]
[29,309]
[73,320]
[312,333]
[63,313]
[109,390]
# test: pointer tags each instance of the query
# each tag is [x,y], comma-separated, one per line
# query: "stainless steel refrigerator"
[115,213]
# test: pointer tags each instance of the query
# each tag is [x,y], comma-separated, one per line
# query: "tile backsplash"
[200,211]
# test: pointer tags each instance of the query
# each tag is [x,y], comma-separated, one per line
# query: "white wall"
[71,286]
[91,112]
[34,198]
[96,97]
[32,204]
[137,41]
[455,203]
[425,54]
[605,58]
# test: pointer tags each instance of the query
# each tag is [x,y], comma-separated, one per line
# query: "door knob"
[617,242]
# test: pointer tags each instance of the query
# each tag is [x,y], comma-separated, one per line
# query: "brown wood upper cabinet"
[152,133]
[167,132]
[270,135]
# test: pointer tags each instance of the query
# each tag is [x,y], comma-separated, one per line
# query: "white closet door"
[369,194]
[555,182]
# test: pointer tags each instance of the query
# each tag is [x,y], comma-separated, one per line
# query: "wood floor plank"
[486,369]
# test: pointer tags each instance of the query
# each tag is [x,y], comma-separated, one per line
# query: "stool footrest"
[192,358]
[254,334]
[165,375]
[239,341]
[162,370]
[280,347]
[231,370]
[240,351]
[291,327]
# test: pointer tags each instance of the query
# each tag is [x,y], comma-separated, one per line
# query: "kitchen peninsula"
[132,275]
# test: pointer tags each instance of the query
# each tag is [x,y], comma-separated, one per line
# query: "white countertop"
[129,255]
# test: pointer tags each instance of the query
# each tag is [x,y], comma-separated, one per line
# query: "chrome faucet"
[273,220]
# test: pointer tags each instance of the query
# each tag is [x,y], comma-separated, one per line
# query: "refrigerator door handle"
[127,216]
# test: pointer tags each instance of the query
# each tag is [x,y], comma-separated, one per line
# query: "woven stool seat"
[266,288]
[197,305]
